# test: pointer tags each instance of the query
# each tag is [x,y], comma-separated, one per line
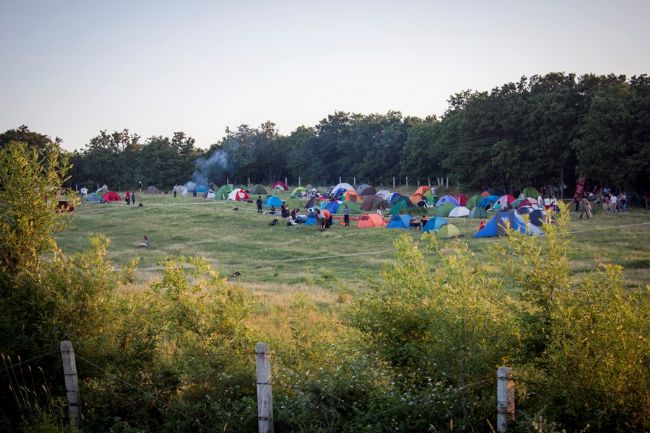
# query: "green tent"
[222,193]
[297,191]
[473,201]
[478,212]
[401,205]
[444,210]
[448,231]
[529,191]
[259,189]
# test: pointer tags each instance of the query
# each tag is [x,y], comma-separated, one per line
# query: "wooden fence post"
[71,383]
[264,389]
[505,398]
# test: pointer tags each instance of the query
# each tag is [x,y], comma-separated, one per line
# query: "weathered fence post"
[354,181]
[339,179]
[264,389]
[393,182]
[407,181]
[299,179]
[286,181]
[71,383]
[505,398]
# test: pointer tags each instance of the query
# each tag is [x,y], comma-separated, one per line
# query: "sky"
[71,68]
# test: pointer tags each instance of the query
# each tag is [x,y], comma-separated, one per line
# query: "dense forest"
[542,130]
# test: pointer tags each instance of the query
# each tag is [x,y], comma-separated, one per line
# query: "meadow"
[283,259]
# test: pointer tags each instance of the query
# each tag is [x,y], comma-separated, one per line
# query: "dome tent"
[259,189]
[497,225]
[400,222]
[273,201]
[222,193]
[448,231]
[434,224]
[371,220]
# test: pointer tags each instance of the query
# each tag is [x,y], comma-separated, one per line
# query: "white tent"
[459,212]
[345,186]
[383,194]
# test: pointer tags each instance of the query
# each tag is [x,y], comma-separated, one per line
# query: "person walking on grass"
[259,204]
[346,215]
[133,198]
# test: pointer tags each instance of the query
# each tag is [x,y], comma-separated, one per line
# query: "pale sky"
[72,68]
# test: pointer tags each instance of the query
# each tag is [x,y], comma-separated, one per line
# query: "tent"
[505,200]
[341,186]
[222,193]
[333,206]
[422,190]
[485,194]
[444,210]
[201,189]
[447,199]
[314,201]
[497,225]
[180,189]
[238,194]
[371,220]
[280,186]
[374,202]
[462,199]
[448,231]
[210,194]
[537,217]
[400,222]
[93,198]
[366,190]
[473,201]
[297,191]
[259,189]
[487,201]
[392,197]
[383,194]
[273,201]
[529,191]
[111,196]
[400,205]
[434,224]
[459,212]
[152,190]
[478,212]
[101,191]
[351,195]
[310,221]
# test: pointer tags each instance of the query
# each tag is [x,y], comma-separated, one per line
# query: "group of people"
[129,198]
[322,216]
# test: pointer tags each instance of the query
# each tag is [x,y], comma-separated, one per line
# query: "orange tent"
[416,198]
[421,190]
[371,220]
[485,194]
[351,195]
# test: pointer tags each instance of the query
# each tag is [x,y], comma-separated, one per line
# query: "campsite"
[325,217]
[276,258]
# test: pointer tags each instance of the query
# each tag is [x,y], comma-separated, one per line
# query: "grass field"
[282,260]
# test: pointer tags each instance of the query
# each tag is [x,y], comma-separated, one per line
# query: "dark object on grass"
[274,222]
[139,204]
[235,274]
[249,201]
[235,208]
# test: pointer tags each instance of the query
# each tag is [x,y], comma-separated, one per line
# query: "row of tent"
[497,226]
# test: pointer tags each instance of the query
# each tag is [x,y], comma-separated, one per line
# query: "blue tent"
[332,206]
[488,200]
[447,199]
[497,225]
[310,221]
[400,222]
[93,198]
[434,224]
[273,201]
[392,197]
[202,188]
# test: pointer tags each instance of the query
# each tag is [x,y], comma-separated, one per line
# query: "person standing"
[259,204]
[346,215]
[133,198]
[127,197]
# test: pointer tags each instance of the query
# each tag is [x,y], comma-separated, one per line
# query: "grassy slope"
[280,259]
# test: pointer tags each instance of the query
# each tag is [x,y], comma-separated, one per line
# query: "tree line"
[541,130]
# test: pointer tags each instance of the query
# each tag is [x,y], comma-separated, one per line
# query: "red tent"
[111,196]
[462,199]
[280,185]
